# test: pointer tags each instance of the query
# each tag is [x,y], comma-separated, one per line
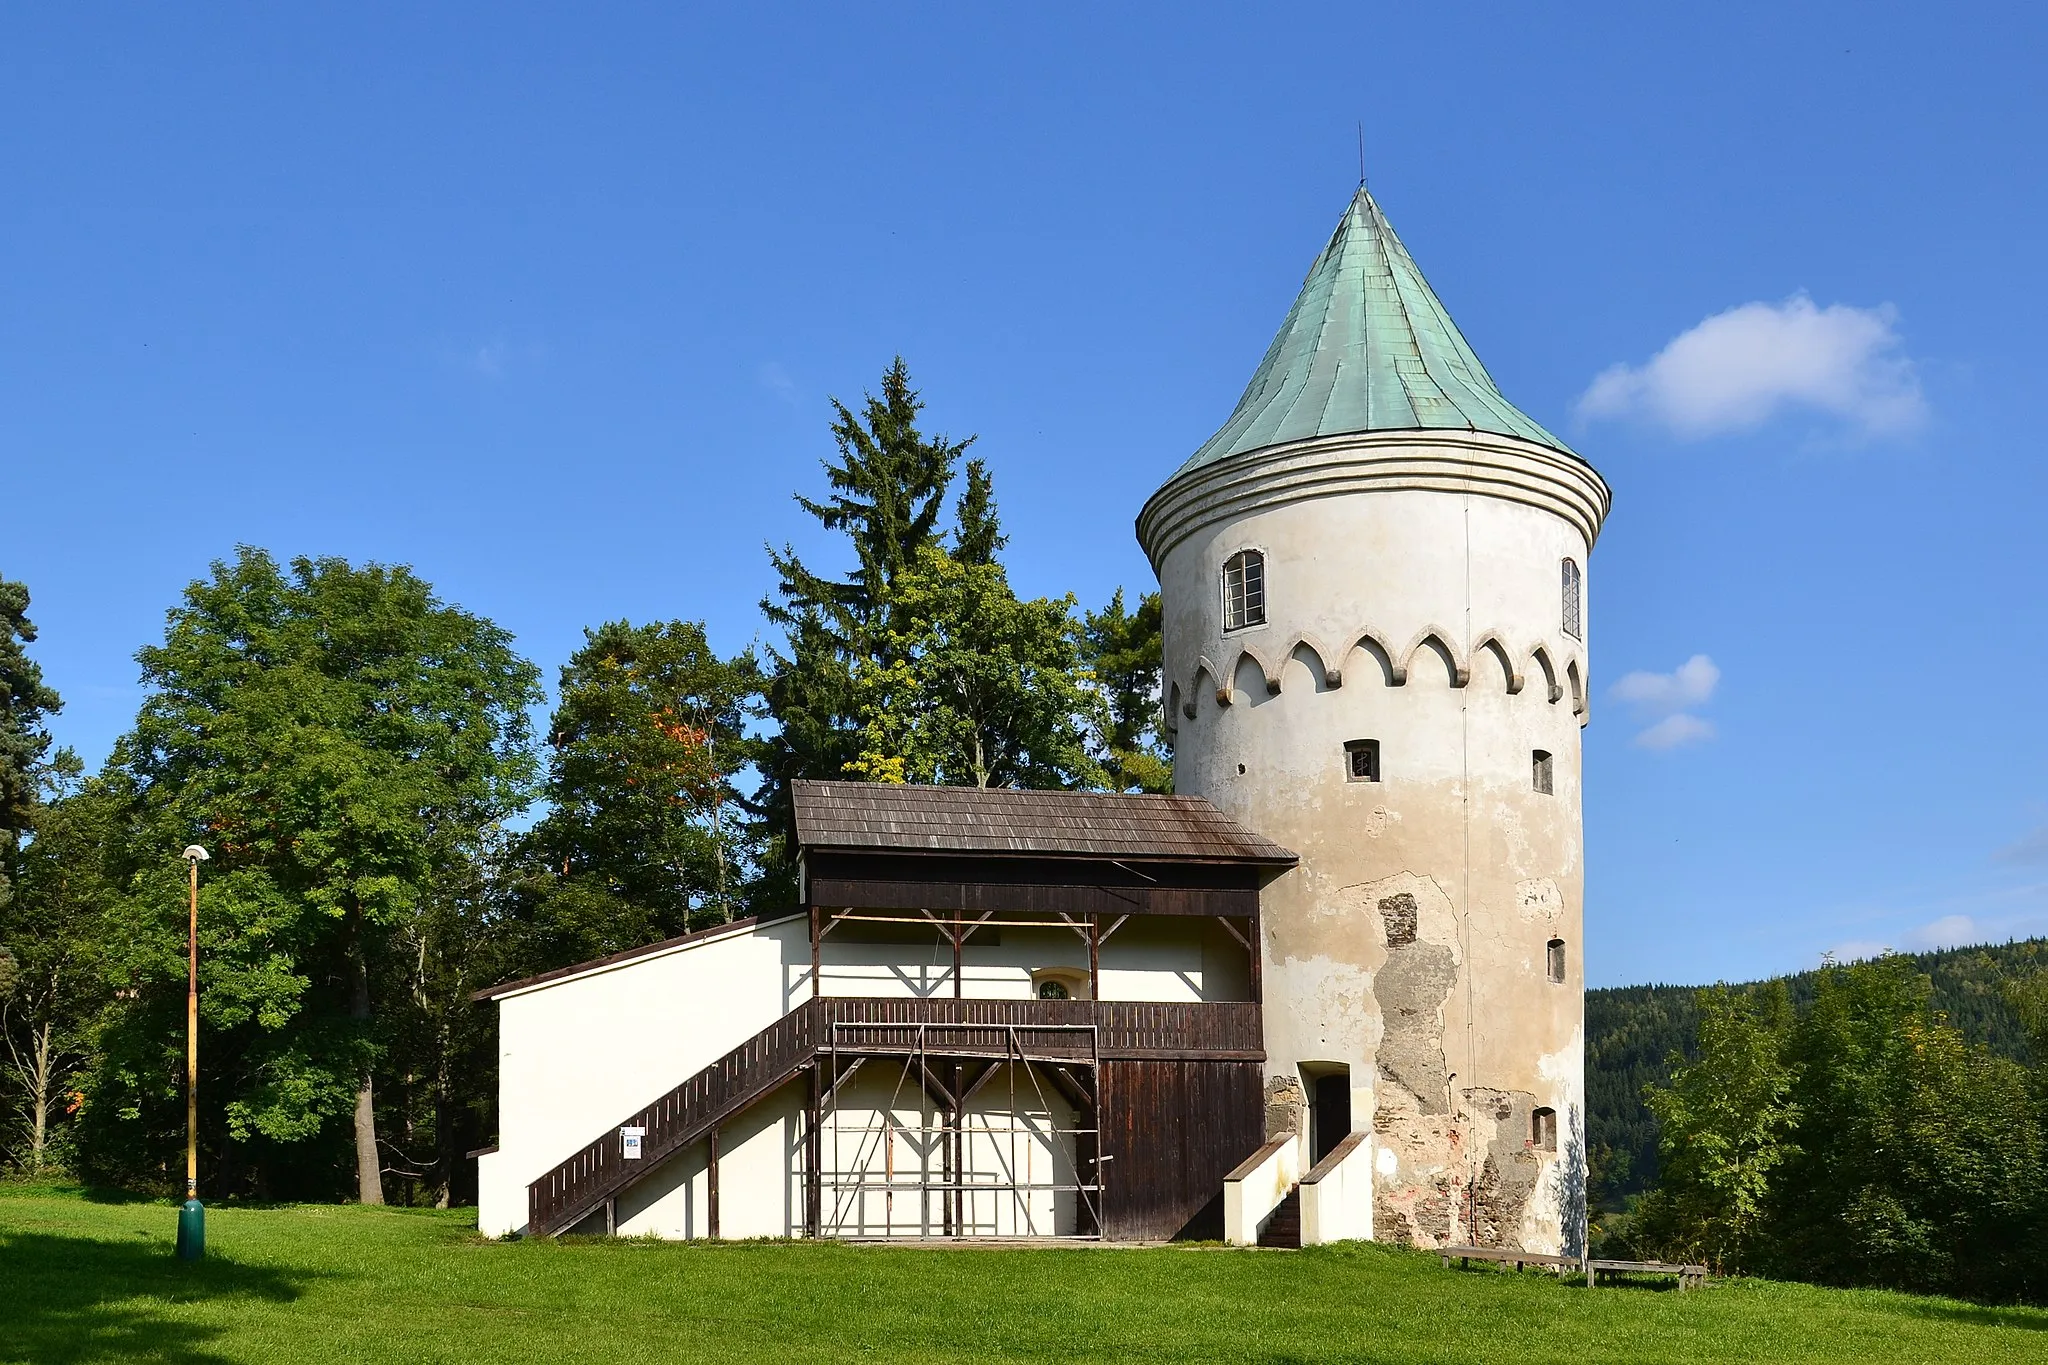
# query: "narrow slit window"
[1543,1130]
[1553,959]
[1244,590]
[1362,760]
[1540,770]
[1572,623]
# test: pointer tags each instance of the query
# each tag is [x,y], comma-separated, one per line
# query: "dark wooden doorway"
[1329,1113]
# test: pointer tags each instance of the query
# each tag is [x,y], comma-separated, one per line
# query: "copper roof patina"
[1368,346]
[879,816]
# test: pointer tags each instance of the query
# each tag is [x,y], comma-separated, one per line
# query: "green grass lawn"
[86,1280]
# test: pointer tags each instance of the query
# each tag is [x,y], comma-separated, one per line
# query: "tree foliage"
[350,749]
[1122,649]
[922,664]
[339,739]
[642,838]
[25,704]
[1731,1114]
[972,687]
[888,493]
[1634,1034]
[1859,1140]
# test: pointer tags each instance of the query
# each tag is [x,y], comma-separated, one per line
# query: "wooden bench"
[1689,1276]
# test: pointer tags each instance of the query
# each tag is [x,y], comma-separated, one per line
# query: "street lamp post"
[192,1216]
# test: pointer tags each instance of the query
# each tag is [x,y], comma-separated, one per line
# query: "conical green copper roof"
[1366,347]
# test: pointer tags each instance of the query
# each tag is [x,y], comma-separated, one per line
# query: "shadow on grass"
[1976,1314]
[83,1299]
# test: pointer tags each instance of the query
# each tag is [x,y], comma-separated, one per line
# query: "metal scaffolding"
[957,1195]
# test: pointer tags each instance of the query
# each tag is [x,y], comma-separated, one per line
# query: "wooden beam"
[814,1153]
[1258,957]
[711,1187]
[987,1074]
[962,899]
[1095,957]
[1070,1086]
[933,1086]
[815,955]
[842,1078]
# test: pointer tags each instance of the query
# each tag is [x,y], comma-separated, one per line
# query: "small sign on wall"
[629,1142]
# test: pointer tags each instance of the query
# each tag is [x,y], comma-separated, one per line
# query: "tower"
[1375,654]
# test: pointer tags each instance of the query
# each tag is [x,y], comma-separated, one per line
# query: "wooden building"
[995,1013]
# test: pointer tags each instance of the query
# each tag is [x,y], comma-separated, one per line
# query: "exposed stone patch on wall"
[1511,1170]
[1411,988]
[1397,913]
[1286,1104]
[1419,1178]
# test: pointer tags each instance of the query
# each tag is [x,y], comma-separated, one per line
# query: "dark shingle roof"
[881,816]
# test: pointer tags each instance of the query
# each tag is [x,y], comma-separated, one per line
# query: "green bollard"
[191,1230]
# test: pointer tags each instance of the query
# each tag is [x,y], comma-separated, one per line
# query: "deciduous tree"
[338,737]
[974,687]
[642,837]
[1121,650]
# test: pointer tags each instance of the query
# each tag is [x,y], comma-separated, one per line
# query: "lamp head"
[194,854]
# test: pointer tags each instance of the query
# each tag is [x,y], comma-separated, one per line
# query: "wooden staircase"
[1283,1229]
[589,1179]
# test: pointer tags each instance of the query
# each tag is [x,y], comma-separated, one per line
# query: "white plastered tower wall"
[1413,596]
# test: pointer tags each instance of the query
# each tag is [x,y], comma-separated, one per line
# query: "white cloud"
[776,380]
[1673,732]
[489,359]
[2031,847]
[1690,684]
[1668,699]
[1950,931]
[1739,369]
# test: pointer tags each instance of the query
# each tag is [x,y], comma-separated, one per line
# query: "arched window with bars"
[1574,625]
[1244,590]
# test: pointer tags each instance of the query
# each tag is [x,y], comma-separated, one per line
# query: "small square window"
[1553,960]
[1540,772]
[1543,1130]
[1362,760]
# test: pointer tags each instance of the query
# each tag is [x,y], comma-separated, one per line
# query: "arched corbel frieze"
[1553,690]
[1373,647]
[1437,638]
[1270,667]
[1578,686]
[1491,643]
[1320,658]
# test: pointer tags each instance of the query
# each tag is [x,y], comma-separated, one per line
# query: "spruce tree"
[889,482]
[25,703]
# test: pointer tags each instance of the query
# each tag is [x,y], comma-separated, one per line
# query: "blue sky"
[547,303]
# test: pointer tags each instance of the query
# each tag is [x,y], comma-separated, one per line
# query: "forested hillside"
[1631,1032]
